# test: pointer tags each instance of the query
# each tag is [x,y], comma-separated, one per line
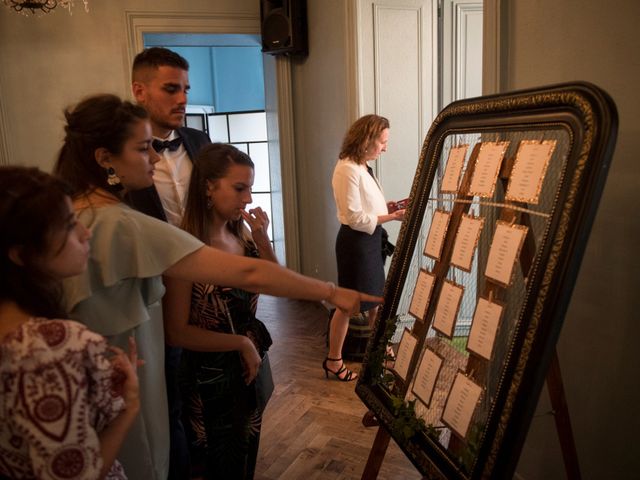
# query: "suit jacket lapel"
[187,141]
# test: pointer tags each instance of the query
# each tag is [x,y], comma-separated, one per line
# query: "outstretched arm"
[210,265]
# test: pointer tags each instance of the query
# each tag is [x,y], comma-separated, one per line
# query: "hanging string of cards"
[524,185]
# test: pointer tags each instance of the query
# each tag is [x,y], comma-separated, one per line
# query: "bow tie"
[172,145]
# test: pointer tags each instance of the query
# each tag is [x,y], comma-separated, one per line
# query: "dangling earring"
[209,203]
[112,178]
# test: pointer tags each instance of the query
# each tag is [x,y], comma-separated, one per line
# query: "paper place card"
[484,327]
[421,294]
[437,233]
[529,169]
[405,352]
[425,380]
[466,241]
[451,177]
[505,249]
[447,308]
[487,168]
[461,403]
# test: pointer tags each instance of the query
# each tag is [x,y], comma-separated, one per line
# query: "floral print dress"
[222,418]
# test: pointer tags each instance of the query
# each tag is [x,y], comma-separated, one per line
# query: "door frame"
[495,46]
[281,142]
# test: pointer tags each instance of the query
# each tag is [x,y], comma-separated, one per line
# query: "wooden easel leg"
[369,419]
[563,422]
[376,455]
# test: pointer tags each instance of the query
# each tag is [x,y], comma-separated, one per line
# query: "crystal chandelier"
[41,6]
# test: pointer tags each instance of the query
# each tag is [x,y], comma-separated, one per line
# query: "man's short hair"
[155,57]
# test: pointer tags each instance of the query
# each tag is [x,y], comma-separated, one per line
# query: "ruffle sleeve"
[129,253]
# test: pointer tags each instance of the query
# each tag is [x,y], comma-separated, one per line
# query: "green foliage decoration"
[377,373]
[405,424]
[468,456]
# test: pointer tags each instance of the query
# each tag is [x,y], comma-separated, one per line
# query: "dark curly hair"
[97,121]
[32,209]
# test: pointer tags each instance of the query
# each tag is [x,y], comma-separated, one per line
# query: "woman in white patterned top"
[66,398]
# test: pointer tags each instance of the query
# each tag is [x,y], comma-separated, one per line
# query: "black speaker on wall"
[284,27]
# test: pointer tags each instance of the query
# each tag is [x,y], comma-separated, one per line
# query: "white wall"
[550,41]
[51,62]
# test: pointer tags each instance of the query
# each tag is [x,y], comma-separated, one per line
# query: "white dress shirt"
[171,179]
[359,198]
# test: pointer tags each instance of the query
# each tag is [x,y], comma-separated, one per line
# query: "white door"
[397,55]
[414,59]
[461,26]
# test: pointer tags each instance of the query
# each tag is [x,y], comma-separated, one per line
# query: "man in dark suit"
[160,82]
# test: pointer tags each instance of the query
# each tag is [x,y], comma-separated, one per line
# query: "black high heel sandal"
[349,376]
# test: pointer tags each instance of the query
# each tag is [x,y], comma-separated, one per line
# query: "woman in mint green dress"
[107,153]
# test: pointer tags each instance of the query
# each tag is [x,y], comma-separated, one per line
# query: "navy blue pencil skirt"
[360,263]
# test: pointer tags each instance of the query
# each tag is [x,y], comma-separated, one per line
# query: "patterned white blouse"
[56,393]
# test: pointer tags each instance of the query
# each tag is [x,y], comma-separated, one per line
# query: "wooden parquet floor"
[312,426]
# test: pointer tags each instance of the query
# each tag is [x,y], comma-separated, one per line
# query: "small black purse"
[387,247]
[263,384]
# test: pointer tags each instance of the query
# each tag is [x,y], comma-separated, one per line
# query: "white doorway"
[398,79]
[227,102]
[415,57]
[277,84]
[460,26]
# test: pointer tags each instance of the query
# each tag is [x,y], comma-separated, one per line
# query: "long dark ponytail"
[212,163]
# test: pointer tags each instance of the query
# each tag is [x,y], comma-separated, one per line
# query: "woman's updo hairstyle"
[99,121]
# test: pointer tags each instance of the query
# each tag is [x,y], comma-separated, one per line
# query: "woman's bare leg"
[337,333]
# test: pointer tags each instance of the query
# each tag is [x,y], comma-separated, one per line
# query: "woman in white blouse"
[361,211]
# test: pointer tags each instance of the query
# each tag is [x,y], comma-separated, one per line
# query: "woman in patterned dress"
[107,153]
[216,325]
[66,399]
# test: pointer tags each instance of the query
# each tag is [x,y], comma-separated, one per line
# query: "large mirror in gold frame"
[499,213]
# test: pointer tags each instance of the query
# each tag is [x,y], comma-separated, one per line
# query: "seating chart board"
[497,221]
